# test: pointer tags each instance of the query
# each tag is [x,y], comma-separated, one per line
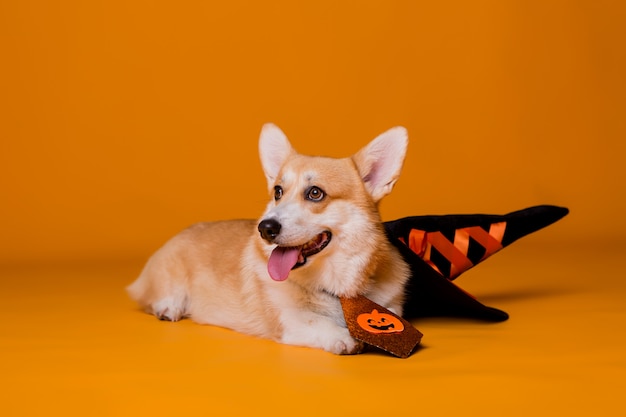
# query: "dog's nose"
[269,229]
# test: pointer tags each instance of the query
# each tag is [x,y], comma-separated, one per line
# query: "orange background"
[121,122]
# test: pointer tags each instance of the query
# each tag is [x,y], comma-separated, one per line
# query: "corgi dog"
[280,277]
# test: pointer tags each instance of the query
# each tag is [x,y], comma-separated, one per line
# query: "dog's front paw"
[320,332]
[345,346]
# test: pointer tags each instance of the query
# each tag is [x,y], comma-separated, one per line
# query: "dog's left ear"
[379,163]
[274,149]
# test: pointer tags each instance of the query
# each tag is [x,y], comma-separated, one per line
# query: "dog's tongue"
[281,261]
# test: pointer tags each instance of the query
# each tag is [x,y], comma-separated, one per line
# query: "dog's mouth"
[285,258]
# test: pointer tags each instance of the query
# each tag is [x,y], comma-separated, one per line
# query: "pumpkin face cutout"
[376,322]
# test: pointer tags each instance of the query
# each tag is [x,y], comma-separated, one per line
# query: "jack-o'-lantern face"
[376,322]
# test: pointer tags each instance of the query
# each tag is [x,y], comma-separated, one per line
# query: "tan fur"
[217,273]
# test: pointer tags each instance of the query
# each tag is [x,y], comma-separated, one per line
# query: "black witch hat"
[440,248]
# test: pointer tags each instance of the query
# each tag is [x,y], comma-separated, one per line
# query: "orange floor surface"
[72,343]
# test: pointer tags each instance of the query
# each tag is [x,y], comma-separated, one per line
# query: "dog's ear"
[274,149]
[379,163]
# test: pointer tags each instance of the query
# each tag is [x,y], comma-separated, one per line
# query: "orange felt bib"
[375,325]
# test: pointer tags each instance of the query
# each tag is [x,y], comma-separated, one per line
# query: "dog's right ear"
[274,149]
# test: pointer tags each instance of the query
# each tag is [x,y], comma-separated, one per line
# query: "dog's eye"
[314,194]
[278,192]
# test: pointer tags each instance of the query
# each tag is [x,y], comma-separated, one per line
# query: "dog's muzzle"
[285,258]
